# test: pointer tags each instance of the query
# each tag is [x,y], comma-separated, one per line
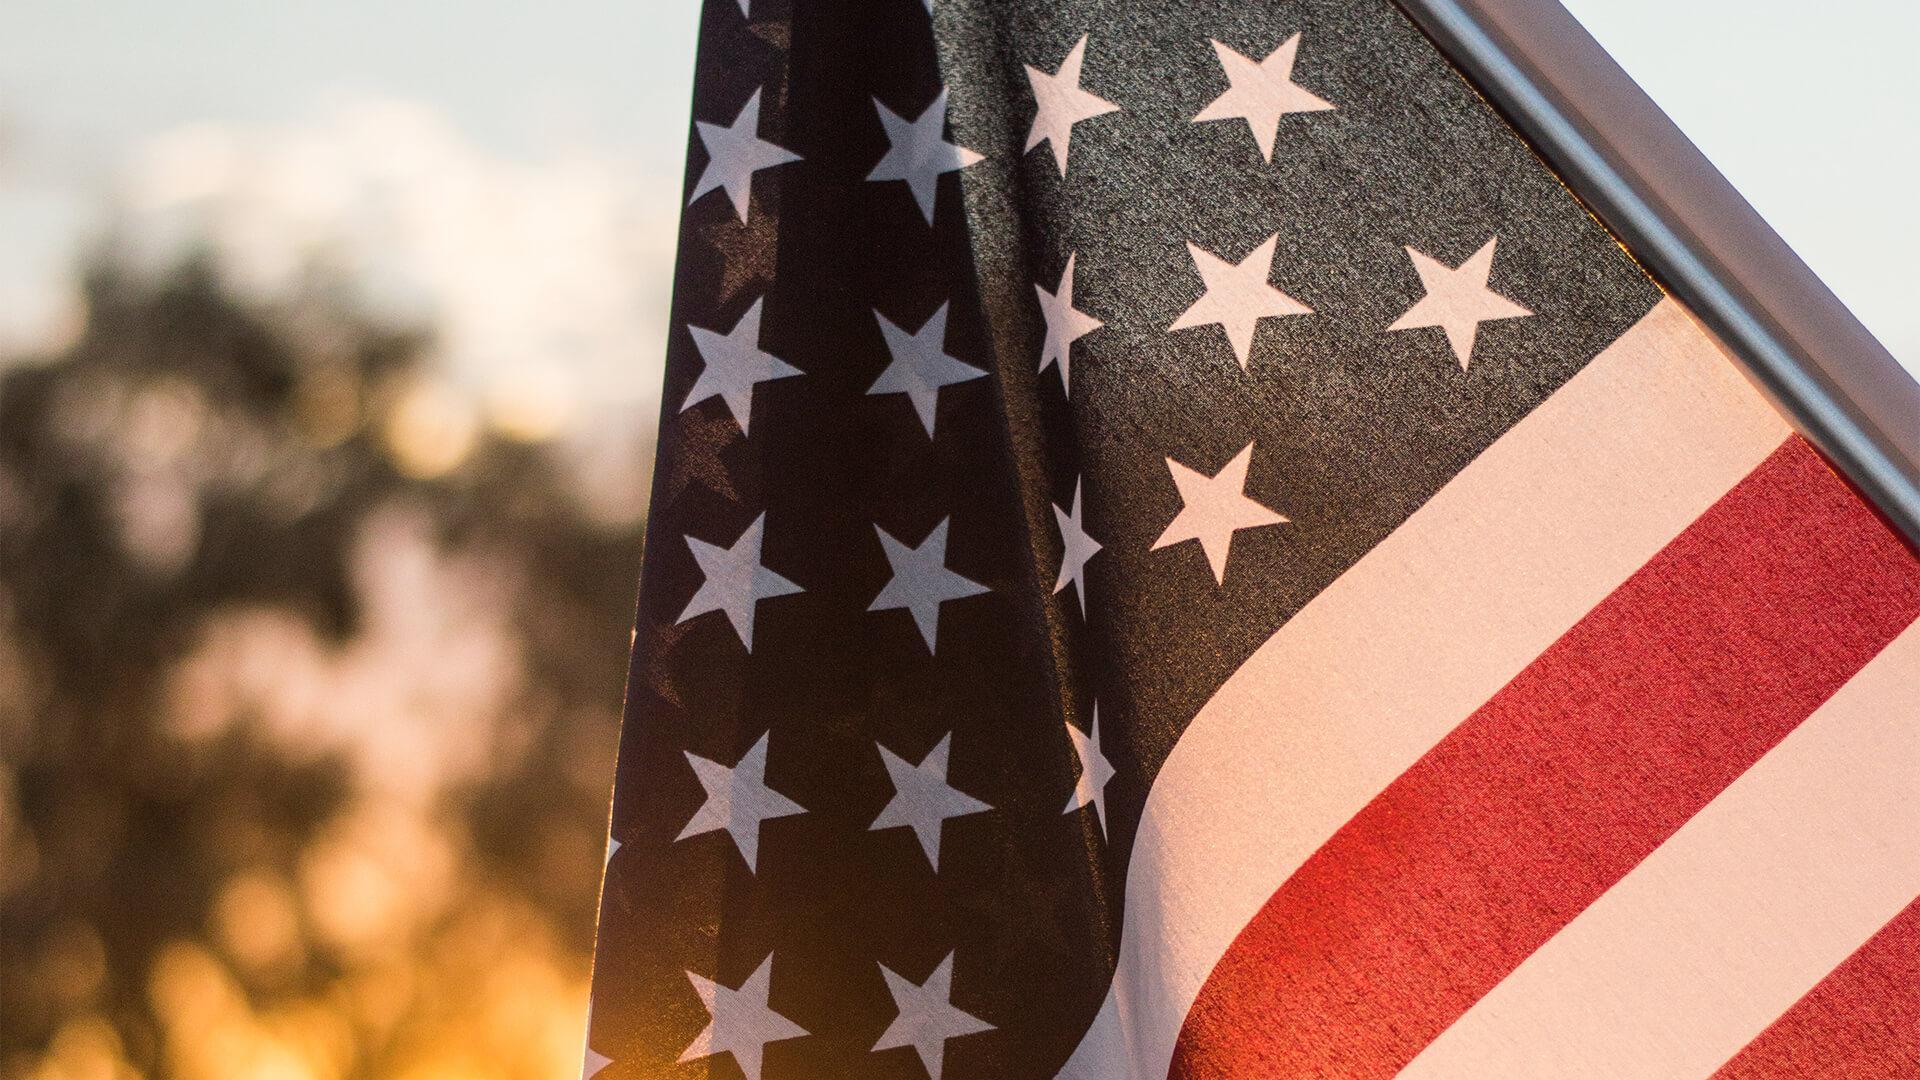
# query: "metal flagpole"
[1695,234]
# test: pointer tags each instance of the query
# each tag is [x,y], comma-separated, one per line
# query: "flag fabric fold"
[1179,548]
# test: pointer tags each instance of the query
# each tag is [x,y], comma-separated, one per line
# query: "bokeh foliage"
[309,686]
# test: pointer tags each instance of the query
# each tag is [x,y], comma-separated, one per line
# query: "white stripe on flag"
[1692,954]
[1405,645]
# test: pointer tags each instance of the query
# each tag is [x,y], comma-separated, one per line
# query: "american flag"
[1181,549]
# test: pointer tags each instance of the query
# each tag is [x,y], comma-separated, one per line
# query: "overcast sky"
[1814,112]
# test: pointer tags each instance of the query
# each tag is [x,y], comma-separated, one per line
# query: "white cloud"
[544,282]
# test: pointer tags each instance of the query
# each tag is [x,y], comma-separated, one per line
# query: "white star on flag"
[735,581]
[927,1017]
[1095,771]
[1261,93]
[1065,325]
[1458,299]
[740,1021]
[920,365]
[734,153]
[922,798]
[921,581]
[918,151]
[1237,296]
[1077,548]
[733,364]
[1214,508]
[738,800]
[1062,103]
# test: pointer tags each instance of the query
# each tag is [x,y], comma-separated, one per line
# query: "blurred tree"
[309,682]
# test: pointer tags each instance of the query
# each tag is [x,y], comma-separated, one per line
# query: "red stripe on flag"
[1862,1022]
[1553,790]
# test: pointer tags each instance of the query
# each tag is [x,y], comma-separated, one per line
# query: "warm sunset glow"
[328,428]
[429,429]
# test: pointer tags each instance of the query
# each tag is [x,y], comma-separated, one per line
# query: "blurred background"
[330,344]
[329,359]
